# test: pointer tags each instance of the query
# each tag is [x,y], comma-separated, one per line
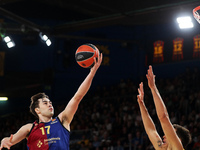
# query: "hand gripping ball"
[85,55]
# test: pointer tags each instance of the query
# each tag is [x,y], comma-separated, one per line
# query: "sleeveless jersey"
[48,136]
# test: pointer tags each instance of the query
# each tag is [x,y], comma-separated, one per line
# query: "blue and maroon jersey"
[48,136]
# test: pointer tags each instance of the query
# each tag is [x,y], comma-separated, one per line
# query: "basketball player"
[176,137]
[48,133]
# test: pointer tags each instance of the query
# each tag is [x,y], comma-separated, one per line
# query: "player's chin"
[51,114]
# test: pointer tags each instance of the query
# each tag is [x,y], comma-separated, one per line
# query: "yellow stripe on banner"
[2,57]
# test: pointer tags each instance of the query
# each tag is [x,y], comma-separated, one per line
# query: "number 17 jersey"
[48,136]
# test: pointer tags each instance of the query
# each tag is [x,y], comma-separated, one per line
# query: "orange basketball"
[85,55]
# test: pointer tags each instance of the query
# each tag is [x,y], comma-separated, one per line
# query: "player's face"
[46,107]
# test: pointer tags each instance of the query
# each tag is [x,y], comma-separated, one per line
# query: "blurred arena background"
[127,33]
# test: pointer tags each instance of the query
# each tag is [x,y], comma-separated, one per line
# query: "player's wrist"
[93,71]
[153,88]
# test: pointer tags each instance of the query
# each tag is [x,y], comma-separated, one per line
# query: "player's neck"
[44,119]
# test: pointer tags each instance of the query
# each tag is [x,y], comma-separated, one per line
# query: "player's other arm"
[147,120]
[67,115]
[21,134]
[162,113]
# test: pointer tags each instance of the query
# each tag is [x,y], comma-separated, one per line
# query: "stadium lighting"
[3,98]
[48,42]
[45,38]
[185,22]
[10,43]
[7,39]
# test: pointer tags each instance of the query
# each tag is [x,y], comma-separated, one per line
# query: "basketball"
[85,55]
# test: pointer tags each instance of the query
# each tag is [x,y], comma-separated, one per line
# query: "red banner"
[158,51]
[196,50]
[178,49]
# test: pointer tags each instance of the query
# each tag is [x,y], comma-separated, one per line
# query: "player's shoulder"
[27,126]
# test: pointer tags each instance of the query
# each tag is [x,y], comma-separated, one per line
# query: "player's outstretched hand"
[151,78]
[97,63]
[6,142]
[140,96]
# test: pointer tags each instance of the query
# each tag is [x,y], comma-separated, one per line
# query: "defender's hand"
[151,78]
[140,96]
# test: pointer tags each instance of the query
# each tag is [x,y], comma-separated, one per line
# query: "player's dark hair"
[183,134]
[35,103]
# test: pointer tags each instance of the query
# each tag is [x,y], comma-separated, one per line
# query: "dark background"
[127,29]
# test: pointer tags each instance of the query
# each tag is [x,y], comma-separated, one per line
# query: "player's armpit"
[156,140]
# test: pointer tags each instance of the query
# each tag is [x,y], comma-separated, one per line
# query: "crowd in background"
[108,118]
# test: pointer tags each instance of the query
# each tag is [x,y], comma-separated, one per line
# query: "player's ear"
[37,110]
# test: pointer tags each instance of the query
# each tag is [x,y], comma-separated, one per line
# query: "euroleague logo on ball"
[85,55]
[79,57]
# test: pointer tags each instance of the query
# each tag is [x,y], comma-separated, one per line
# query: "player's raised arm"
[67,115]
[21,134]
[162,113]
[147,120]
